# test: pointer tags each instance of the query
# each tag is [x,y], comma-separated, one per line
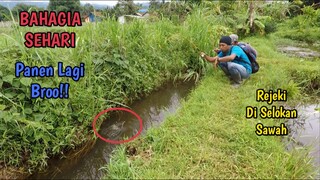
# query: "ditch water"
[152,110]
[305,131]
[299,52]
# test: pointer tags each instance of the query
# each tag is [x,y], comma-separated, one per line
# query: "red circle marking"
[114,141]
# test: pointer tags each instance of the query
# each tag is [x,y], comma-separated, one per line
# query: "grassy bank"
[121,63]
[303,28]
[210,137]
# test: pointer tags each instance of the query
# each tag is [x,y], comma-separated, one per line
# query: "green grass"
[304,28]
[210,137]
[122,62]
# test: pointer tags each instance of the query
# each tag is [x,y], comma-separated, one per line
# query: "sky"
[44,3]
[109,3]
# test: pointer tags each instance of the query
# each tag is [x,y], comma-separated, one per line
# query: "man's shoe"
[236,85]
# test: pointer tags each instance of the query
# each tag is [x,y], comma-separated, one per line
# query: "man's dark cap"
[225,39]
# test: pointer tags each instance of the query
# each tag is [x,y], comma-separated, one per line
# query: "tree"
[24,7]
[87,8]
[124,7]
[226,6]
[310,2]
[155,4]
[193,1]
[251,16]
[4,13]
[176,11]
[296,6]
[301,3]
[20,7]
[63,5]
[109,12]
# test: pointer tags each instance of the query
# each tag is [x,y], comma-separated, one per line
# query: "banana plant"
[253,23]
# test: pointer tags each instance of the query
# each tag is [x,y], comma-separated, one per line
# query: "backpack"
[252,55]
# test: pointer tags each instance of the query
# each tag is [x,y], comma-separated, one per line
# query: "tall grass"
[121,63]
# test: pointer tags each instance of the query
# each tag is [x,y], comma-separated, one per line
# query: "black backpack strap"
[230,50]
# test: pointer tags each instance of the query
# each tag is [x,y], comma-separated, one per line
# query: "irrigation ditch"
[86,162]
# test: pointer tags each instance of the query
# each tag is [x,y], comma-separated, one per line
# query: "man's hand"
[202,54]
[216,50]
[214,59]
[216,62]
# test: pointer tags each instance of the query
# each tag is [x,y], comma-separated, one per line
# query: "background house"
[89,18]
[141,14]
[92,17]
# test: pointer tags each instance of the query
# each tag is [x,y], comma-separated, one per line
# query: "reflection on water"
[306,131]
[152,110]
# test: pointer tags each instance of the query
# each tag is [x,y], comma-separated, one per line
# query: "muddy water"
[152,110]
[306,132]
[299,52]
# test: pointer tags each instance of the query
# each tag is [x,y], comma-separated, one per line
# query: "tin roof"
[143,10]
